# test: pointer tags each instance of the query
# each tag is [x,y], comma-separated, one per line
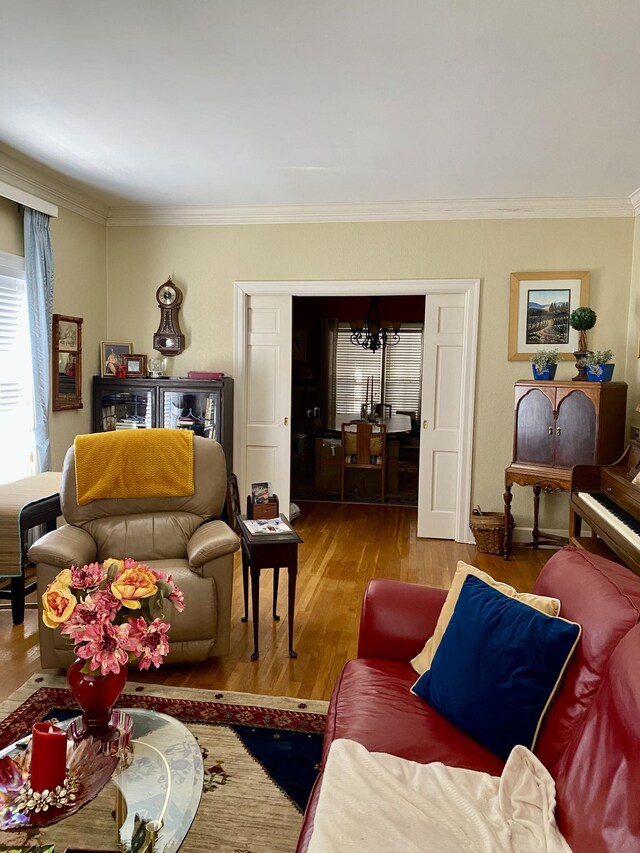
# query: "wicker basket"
[488,530]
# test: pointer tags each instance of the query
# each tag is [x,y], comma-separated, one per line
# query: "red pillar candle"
[48,756]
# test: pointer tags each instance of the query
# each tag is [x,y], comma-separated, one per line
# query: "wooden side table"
[556,481]
[268,551]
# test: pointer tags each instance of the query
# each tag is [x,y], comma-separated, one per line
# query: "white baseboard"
[523,534]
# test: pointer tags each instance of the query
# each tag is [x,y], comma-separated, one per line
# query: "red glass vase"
[96,695]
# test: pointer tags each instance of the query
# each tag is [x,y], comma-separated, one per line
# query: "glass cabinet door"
[197,410]
[126,409]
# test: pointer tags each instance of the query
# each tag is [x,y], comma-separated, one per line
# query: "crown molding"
[21,179]
[49,188]
[532,208]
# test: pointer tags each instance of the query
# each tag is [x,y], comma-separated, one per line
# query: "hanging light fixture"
[373,332]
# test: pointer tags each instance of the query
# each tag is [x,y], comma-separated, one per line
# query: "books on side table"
[266,525]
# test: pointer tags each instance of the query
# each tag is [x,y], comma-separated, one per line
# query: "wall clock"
[169,340]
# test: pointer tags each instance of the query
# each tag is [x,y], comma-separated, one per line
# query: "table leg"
[508,520]
[293,574]
[535,533]
[255,609]
[17,599]
[245,584]
[276,580]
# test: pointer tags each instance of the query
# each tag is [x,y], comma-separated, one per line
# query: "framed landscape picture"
[539,309]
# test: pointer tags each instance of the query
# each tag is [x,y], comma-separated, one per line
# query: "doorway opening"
[332,378]
[262,368]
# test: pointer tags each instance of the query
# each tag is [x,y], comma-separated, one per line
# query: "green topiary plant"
[604,356]
[542,357]
[582,319]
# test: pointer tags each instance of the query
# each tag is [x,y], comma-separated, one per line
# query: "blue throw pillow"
[497,667]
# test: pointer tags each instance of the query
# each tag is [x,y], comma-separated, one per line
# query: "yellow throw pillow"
[422,662]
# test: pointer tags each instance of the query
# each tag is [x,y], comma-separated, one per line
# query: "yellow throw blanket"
[148,463]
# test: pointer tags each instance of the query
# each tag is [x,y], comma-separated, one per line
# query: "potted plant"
[544,363]
[598,365]
[582,319]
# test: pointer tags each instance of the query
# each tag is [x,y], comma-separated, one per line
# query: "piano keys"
[605,498]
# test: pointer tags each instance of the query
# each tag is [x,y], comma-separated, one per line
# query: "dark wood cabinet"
[204,406]
[558,425]
[561,424]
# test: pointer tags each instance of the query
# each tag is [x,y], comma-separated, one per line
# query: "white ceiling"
[286,102]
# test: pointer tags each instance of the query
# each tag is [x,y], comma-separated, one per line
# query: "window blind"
[399,365]
[403,371]
[16,381]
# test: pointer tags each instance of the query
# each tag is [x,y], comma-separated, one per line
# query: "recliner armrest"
[397,619]
[210,541]
[64,547]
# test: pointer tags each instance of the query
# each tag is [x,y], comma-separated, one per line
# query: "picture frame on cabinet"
[111,353]
[135,365]
[540,305]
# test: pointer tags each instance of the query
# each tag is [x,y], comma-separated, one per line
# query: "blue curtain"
[38,257]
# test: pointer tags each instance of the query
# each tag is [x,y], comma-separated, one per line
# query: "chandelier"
[373,332]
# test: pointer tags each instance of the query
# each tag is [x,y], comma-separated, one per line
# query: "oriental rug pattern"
[252,748]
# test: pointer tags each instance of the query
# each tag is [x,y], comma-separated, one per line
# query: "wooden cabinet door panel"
[575,431]
[534,419]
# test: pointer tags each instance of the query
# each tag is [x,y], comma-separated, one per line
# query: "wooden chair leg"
[342,471]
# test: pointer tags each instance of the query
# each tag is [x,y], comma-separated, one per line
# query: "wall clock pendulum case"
[169,340]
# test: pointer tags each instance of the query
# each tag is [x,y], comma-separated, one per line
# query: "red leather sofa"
[590,738]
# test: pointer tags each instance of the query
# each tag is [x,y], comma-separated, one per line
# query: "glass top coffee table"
[160,781]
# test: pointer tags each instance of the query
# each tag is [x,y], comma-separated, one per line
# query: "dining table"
[395,424]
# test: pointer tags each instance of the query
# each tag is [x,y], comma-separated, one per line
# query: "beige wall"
[80,290]
[80,286]
[11,239]
[109,278]
[206,260]
[632,373]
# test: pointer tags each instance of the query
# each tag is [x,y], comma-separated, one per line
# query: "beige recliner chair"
[175,534]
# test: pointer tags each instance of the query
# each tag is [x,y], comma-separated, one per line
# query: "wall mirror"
[66,366]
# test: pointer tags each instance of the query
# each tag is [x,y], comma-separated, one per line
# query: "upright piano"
[606,498]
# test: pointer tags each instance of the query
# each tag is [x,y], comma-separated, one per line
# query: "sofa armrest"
[210,541]
[397,618]
[64,547]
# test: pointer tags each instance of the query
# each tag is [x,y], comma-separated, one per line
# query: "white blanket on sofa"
[374,802]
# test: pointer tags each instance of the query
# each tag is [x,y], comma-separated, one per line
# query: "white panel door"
[268,399]
[441,406]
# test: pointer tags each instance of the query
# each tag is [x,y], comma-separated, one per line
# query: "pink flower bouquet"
[113,613]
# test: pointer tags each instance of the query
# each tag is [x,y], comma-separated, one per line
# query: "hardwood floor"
[345,545]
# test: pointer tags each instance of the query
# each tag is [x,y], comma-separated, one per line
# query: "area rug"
[261,756]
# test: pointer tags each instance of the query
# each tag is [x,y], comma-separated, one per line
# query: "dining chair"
[364,447]
[383,409]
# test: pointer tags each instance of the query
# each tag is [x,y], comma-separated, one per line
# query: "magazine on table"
[266,525]
[261,492]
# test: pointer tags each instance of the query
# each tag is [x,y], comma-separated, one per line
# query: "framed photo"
[68,330]
[111,353]
[135,365]
[539,310]
[299,345]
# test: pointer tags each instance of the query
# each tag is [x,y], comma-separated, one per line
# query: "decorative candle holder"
[89,767]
